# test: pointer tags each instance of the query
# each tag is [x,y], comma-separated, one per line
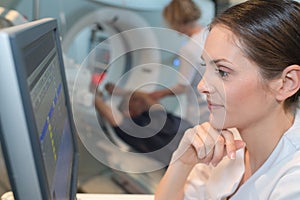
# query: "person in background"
[183,16]
[143,123]
[252,81]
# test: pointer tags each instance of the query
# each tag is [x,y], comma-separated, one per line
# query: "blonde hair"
[181,12]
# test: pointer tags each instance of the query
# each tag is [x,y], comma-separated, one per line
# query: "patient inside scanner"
[142,122]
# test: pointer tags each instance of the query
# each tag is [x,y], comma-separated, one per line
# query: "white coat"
[277,178]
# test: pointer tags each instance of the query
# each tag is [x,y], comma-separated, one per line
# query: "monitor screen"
[37,130]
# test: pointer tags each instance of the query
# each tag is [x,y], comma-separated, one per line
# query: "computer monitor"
[36,125]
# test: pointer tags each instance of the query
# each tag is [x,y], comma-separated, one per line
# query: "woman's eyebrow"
[215,61]
[218,60]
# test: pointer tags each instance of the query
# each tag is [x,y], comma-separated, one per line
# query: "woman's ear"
[290,82]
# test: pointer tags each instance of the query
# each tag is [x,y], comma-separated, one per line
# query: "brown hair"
[181,12]
[269,35]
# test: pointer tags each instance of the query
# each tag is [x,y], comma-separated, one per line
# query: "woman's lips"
[212,105]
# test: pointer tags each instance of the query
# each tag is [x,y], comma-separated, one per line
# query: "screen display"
[50,111]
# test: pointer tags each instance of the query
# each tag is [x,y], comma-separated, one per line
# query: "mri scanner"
[125,42]
[140,57]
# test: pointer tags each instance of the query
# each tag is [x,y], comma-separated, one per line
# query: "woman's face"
[236,95]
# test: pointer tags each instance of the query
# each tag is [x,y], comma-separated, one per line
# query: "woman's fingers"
[189,149]
[206,142]
[239,144]
[199,142]
[207,145]
[218,151]
[216,144]
[208,135]
[231,145]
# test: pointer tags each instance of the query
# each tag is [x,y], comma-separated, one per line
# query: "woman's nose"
[202,86]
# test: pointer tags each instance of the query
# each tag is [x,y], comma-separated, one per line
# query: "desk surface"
[81,196]
[114,197]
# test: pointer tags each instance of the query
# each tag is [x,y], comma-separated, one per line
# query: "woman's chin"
[218,122]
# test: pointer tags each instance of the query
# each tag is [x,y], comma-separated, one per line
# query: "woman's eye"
[221,73]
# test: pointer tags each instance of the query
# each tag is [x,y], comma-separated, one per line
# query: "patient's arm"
[114,117]
[141,96]
[177,89]
[112,89]
[146,98]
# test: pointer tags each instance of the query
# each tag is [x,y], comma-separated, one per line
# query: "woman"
[252,82]
[183,16]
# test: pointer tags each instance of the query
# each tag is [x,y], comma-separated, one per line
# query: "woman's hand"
[204,144]
[201,144]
